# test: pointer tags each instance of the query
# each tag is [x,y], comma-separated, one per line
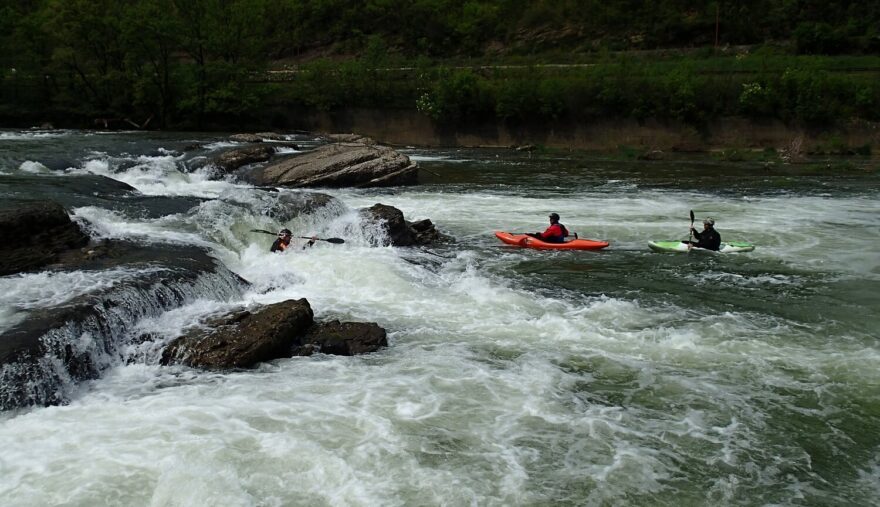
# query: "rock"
[342,339]
[34,234]
[397,230]
[58,164]
[246,138]
[259,137]
[288,206]
[340,165]
[270,136]
[244,339]
[233,159]
[349,138]
[426,233]
[652,155]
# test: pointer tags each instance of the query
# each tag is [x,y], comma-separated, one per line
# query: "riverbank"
[410,128]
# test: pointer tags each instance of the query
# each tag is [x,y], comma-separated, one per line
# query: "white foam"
[32,167]
[32,135]
[22,293]
[161,176]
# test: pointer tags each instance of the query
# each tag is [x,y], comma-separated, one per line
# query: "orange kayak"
[530,242]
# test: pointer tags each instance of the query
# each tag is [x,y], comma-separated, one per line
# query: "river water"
[513,377]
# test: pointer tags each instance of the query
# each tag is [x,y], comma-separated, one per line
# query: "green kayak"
[678,246]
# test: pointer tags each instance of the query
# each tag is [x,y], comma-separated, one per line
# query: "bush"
[818,39]
[756,100]
[455,96]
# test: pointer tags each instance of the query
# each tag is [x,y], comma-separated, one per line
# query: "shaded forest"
[203,63]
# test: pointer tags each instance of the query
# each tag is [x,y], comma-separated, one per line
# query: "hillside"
[203,63]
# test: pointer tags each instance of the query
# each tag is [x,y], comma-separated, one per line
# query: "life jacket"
[279,246]
[558,238]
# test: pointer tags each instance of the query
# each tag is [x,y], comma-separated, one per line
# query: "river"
[512,376]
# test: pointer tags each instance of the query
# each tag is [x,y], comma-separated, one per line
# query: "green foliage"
[456,95]
[756,100]
[190,61]
[819,39]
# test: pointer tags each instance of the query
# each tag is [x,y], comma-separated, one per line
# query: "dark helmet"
[285,232]
[554,216]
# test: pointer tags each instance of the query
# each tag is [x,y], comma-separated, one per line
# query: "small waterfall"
[78,341]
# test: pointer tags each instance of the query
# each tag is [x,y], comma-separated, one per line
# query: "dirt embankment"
[413,128]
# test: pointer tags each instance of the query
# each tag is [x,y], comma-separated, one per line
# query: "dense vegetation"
[188,63]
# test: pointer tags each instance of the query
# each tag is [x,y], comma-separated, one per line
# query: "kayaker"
[556,233]
[283,242]
[709,238]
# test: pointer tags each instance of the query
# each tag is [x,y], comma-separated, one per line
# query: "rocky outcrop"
[259,137]
[340,165]
[243,339]
[42,357]
[287,206]
[231,160]
[34,234]
[349,138]
[397,231]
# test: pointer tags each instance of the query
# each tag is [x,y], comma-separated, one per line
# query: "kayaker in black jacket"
[283,242]
[709,238]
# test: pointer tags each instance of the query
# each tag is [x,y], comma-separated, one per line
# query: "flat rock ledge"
[243,339]
[35,233]
[231,160]
[339,165]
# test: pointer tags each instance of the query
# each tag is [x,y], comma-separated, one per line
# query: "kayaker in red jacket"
[556,233]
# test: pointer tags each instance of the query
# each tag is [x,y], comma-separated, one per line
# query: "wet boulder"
[290,205]
[338,165]
[243,339]
[397,230]
[35,233]
[231,160]
[342,339]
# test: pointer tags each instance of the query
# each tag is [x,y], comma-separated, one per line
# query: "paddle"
[691,237]
[336,241]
